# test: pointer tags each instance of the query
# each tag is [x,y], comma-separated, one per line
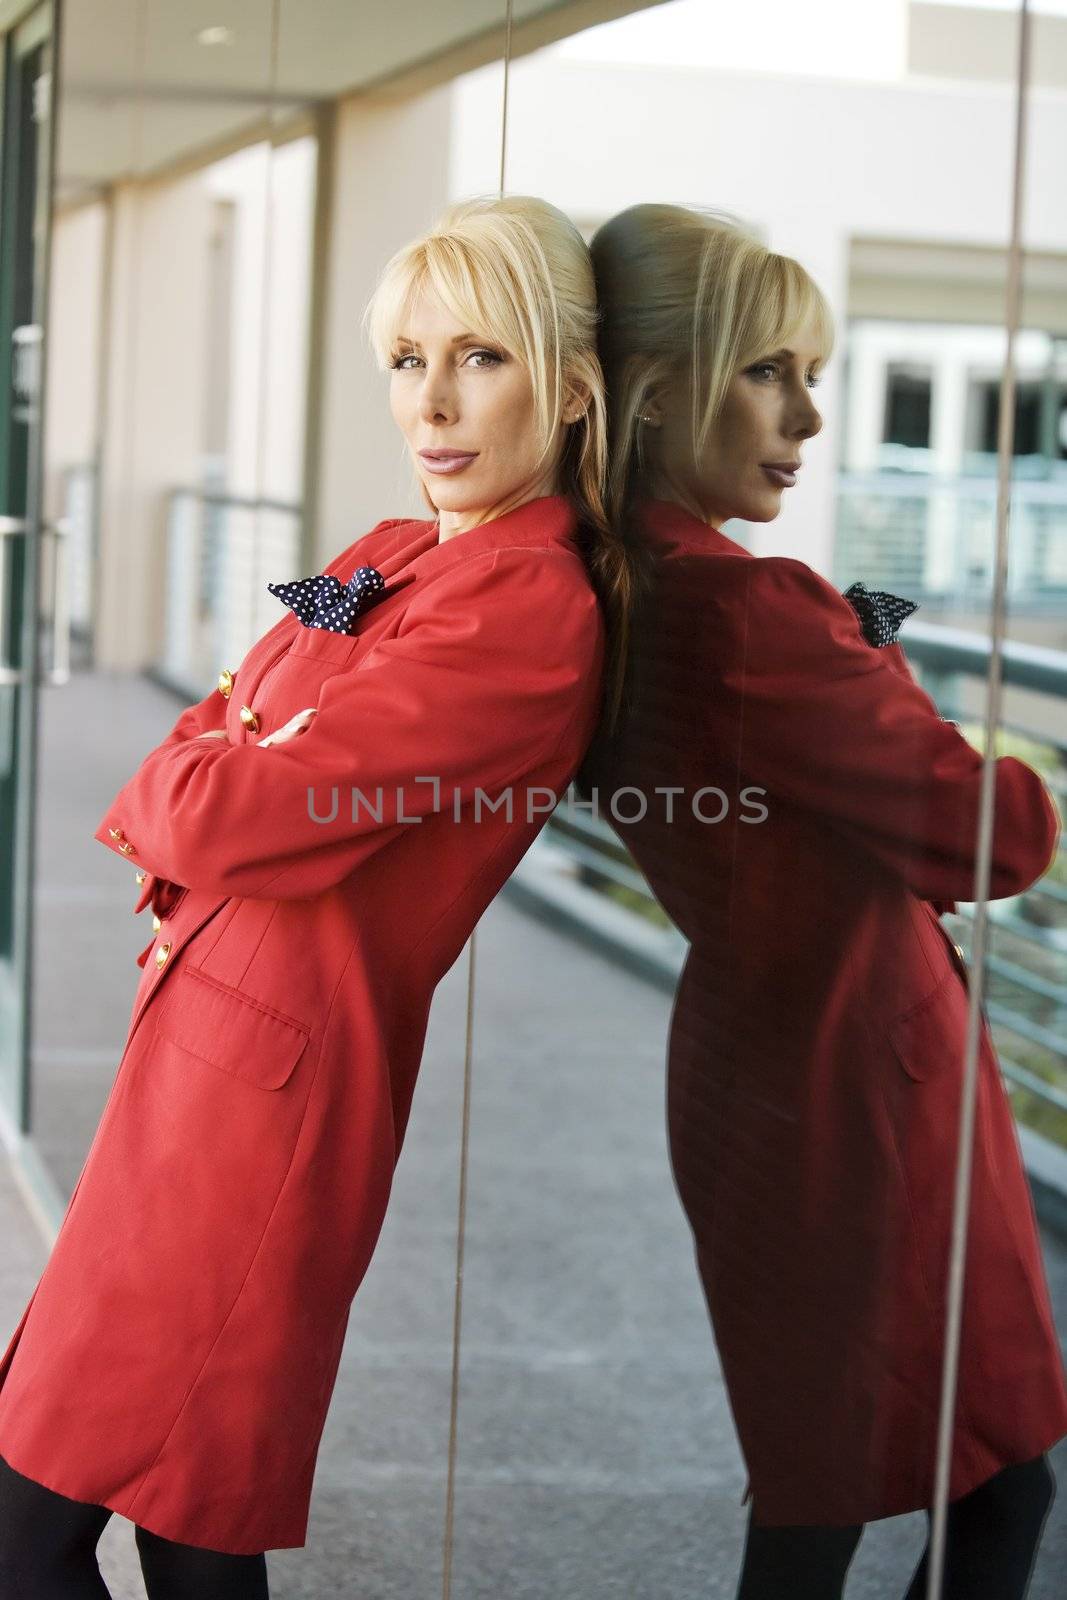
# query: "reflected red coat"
[817,1036]
[178,1355]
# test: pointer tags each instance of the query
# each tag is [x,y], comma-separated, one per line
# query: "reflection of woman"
[177,1358]
[818,1031]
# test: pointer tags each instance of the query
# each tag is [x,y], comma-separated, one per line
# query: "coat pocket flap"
[931,1036]
[230,1030]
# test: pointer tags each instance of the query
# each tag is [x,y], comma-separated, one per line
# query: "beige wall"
[968,42]
[76,289]
[151,435]
[390,179]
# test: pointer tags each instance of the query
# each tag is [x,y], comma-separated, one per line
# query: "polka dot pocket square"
[880,613]
[325,602]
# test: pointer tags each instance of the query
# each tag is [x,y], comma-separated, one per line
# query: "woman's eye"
[480,358]
[771,369]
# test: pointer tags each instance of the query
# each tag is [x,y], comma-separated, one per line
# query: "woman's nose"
[808,420]
[436,402]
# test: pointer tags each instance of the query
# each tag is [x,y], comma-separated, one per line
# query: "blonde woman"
[319,836]
[808,817]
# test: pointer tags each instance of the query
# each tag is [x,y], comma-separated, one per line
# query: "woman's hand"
[296,725]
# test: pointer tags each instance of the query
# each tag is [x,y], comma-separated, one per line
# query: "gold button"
[157,923]
[225,682]
[140,875]
[127,849]
[249,718]
[116,833]
[959,951]
[161,955]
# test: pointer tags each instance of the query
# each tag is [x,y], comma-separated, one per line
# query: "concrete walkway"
[597,1457]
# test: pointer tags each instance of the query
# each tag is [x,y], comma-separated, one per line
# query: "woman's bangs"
[802,309]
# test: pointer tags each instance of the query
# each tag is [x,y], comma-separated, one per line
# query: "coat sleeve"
[196,719]
[842,729]
[205,716]
[478,688]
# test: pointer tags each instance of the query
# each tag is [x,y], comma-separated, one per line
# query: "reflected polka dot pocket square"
[325,602]
[880,613]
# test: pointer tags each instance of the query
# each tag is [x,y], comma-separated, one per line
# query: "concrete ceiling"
[139,92]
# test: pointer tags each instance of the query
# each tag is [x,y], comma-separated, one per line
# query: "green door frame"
[27,154]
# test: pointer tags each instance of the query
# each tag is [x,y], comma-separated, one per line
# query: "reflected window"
[907,406]
[1027,417]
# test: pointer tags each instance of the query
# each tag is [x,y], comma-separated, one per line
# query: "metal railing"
[221,552]
[930,537]
[80,491]
[1027,965]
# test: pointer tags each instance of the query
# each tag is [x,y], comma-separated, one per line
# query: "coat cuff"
[160,893]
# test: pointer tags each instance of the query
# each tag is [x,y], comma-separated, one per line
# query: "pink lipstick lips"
[446,461]
[782,473]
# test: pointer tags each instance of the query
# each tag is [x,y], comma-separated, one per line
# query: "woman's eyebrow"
[791,355]
[460,338]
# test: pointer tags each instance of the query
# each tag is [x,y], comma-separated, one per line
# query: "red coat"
[177,1358]
[817,1036]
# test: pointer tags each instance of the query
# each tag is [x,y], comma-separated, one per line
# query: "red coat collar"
[414,545]
[671,527]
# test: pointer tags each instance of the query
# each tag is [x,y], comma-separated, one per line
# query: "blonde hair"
[684,290]
[517,271]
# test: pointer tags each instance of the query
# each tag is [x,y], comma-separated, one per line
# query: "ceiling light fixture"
[216,35]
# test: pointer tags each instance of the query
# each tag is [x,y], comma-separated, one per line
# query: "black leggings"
[48,1549]
[48,1552]
[991,1540]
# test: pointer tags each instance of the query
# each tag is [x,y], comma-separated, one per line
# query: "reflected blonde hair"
[516,271]
[687,291]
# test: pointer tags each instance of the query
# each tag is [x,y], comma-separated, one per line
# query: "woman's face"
[754,449]
[466,409]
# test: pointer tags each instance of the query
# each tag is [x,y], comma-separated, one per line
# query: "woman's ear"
[651,411]
[577,398]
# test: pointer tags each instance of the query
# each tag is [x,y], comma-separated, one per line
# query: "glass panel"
[814,1056]
[1014,1299]
[1005,1368]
